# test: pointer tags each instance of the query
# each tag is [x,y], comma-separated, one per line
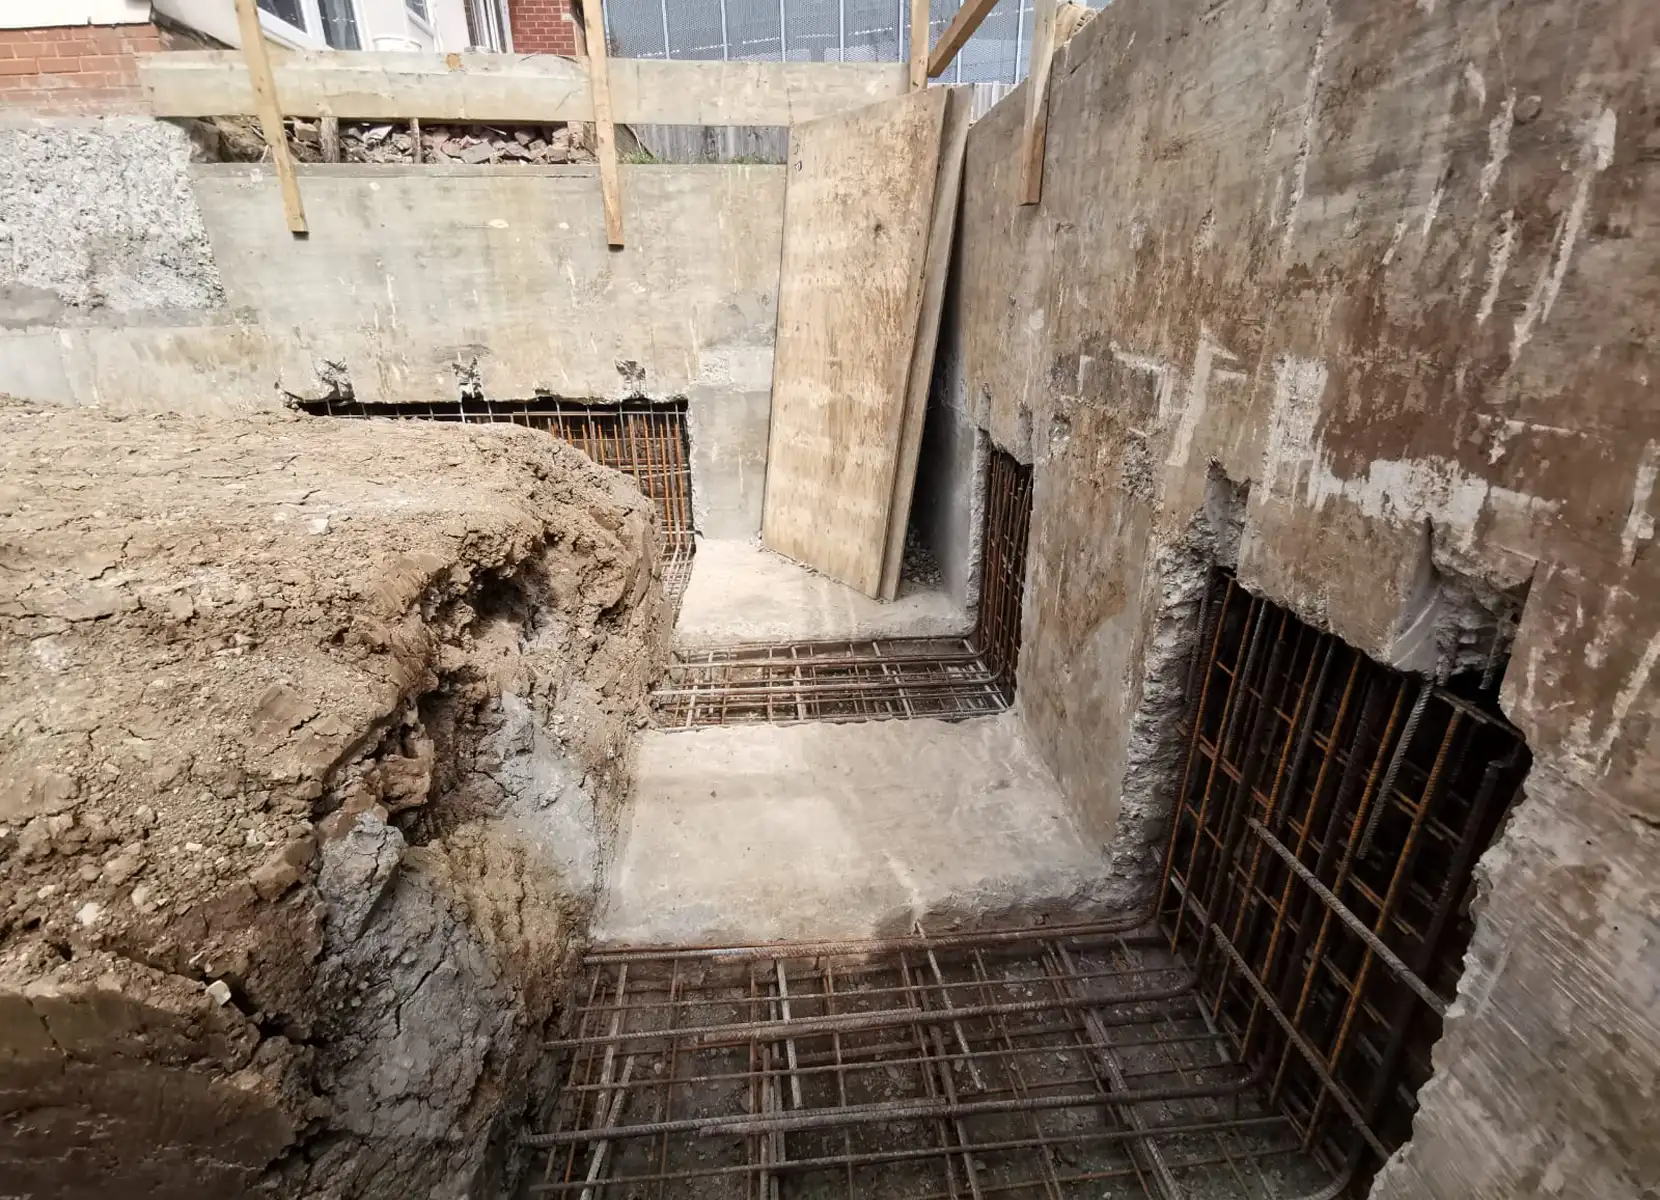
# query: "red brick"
[59,66]
[20,66]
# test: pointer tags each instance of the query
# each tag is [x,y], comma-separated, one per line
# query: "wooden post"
[328,130]
[919,44]
[605,132]
[1037,102]
[270,113]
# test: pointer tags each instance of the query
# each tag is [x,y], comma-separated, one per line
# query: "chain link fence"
[816,31]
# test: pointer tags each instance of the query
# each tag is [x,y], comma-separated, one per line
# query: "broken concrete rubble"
[291,705]
[238,139]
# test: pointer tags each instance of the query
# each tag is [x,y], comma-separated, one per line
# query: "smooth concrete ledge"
[742,593]
[765,832]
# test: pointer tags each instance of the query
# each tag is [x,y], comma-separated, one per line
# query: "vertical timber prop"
[270,112]
[1037,103]
[919,44]
[605,130]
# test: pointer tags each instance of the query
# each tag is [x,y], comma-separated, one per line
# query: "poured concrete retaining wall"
[143,281]
[1390,269]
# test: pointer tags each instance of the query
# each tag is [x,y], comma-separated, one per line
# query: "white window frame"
[302,39]
[490,18]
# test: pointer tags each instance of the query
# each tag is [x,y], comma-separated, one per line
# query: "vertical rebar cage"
[1008,523]
[1320,863]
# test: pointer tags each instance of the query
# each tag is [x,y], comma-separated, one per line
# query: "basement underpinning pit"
[1261,1030]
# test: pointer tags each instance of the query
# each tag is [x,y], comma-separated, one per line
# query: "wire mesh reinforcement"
[1064,1062]
[827,681]
[878,679]
[1008,522]
[1319,868]
[643,439]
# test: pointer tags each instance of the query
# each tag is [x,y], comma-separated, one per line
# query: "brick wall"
[73,69]
[542,26]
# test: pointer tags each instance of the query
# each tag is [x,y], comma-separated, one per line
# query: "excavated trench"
[315,770]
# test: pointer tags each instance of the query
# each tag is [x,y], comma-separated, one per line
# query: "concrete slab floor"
[763,832]
[741,592]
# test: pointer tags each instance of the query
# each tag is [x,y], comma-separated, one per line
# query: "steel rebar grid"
[646,440]
[1329,814]
[827,681]
[1008,521]
[967,1066]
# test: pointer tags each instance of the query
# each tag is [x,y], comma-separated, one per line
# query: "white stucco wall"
[40,14]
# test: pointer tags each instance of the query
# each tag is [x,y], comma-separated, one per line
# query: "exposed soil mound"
[312,740]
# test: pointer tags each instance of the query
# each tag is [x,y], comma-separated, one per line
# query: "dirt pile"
[312,745]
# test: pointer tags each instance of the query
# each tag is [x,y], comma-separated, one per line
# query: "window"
[487,27]
[331,23]
[418,10]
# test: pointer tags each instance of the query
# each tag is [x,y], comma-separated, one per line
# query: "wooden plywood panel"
[857,218]
[947,187]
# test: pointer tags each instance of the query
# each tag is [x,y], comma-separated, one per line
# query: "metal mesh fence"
[816,31]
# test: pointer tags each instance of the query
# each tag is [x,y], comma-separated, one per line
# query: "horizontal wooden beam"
[378,86]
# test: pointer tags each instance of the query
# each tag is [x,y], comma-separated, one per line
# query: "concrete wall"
[948,508]
[1383,276]
[145,282]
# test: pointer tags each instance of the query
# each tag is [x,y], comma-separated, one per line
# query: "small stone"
[142,898]
[220,991]
[317,526]
[123,867]
[481,153]
[88,872]
[89,914]
[144,816]
[194,847]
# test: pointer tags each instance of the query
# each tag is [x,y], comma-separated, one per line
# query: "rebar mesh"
[827,681]
[645,440]
[1319,869]
[1008,522]
[1075,1061]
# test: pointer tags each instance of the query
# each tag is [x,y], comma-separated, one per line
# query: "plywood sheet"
[857,217]
[947,188]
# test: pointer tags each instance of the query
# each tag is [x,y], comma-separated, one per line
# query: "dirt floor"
[312,740]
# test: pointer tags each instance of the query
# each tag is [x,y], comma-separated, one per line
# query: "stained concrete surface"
[741,592]
[756,832]
[1386,271]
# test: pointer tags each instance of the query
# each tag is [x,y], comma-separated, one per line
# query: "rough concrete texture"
[1390,266]
[313,744]
[755,832]
[97,218]
[740,592]
[414,283]
[949,505]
